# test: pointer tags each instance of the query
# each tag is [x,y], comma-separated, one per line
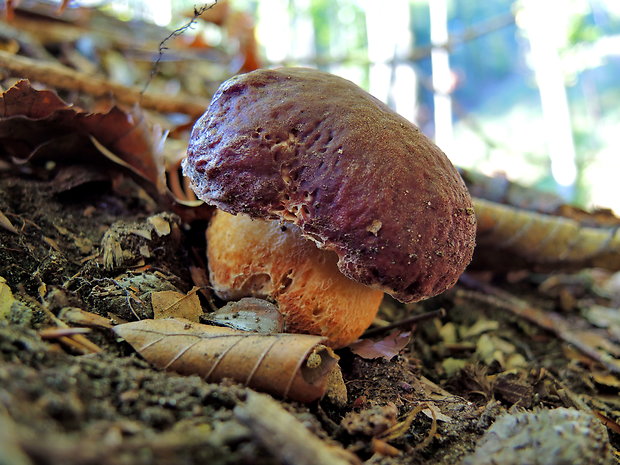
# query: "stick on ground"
[62,77]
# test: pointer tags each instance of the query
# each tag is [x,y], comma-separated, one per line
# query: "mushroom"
[325,180]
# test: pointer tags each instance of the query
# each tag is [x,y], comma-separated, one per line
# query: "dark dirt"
[61,407]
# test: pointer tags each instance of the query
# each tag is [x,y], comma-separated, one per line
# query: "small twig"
[57,333]
[62,77]
[177,32]
[407,323]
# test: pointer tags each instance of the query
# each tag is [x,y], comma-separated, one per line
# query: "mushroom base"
[258,258]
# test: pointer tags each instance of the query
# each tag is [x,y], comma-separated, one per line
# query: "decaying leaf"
[294,366]
[34,122]
[387,347]
[38,125]
[250,314]
[172,304]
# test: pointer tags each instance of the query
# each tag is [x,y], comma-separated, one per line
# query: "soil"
[58,405]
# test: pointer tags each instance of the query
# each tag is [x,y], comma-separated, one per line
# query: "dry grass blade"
[289,365]
[528,239]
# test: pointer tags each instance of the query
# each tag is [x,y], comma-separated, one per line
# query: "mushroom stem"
[259,258]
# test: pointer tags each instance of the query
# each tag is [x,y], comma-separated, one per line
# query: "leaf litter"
[72,175]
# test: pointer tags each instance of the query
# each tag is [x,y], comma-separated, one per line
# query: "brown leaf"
[388,347]
[32,122]
[294,366]
[172,304]
[38,125]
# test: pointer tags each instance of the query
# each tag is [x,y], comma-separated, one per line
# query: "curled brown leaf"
[295,366]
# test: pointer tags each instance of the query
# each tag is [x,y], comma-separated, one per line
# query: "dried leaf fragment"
[275,363]
[172,304]
[387,347]
[250,314]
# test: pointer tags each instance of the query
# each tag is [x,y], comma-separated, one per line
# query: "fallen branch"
[61,77]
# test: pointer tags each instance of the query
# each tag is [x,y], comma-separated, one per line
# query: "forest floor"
[88,236]
[65,402]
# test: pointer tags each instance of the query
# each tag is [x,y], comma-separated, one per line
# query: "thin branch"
[176,33]
[405,324]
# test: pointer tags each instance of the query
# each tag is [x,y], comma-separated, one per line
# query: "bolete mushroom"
[337,184]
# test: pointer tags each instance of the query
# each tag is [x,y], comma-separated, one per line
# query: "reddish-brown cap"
[314,149]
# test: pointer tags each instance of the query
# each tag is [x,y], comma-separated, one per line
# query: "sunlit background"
[528,88]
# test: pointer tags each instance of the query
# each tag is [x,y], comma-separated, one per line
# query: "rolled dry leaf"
[294,366]
[514,238]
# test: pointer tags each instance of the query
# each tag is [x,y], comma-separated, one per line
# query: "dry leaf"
[294,366]
[513,238]
[432,411]
[388,347]
[172,304]
[36,123]
[160,224]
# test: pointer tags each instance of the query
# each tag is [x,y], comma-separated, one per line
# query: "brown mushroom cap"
[308,147]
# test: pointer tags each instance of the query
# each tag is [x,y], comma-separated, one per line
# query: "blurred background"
[527,88]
